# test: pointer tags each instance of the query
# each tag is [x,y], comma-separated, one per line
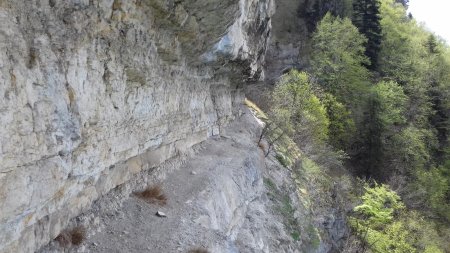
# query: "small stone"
[160,214]
[125,232]
[193,173]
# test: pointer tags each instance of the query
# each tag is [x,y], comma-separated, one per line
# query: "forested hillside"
[375,101]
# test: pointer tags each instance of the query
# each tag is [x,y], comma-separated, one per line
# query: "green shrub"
[283,159]
[270,184]
[384,224]
[435,187]
[379,206]
[295,235]
[298,109]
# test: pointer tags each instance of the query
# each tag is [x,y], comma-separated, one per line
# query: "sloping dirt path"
[216,201]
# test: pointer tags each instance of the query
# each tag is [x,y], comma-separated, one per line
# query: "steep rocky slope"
[96,91]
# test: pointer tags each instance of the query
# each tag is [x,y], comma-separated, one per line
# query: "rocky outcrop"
[96,91]
[289,39]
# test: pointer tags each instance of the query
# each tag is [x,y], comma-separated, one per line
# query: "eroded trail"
[208,198]
[216,201]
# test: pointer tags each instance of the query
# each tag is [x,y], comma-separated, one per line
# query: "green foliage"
[314,237]
[424,235]
[337,64]
[403,58]
[318,9]
[315,175]
[393,120]
[385,225]
[297,107]
[379,206]
[409,150]
[342,126]
[403,2]
[400,56]
[392,103]
[438,75]
[287,209]
[366,16]
[435,186]
[281,117]
[295,235]
[337,58]
[270,184]
[394,238]
[386,114]
[432,44]
[433,249]
[282,159]
[311,167]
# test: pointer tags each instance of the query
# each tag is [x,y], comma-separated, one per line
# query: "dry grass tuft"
[259,113]
[64,239]
[198,250]
[153,194]
[73,236]
[78,235]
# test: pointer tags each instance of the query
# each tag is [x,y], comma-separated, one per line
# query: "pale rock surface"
[95,92]
[223,208]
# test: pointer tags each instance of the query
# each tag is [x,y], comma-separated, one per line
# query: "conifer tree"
[366,16]
[432,44]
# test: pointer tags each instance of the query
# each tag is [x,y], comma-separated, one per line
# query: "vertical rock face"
[290,38]
[95,91]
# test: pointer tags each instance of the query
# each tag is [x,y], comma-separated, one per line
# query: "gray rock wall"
[86,85]
[289,42]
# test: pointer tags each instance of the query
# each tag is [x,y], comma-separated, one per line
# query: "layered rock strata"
[95,91]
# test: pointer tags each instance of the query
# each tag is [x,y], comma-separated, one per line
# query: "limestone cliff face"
[96,91]
[289,38]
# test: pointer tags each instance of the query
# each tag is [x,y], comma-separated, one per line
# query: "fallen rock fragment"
[161,214]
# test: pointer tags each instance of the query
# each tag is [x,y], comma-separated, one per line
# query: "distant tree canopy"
[390,83]
[337,57]
[337,65]
[314,11]
[378,89]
